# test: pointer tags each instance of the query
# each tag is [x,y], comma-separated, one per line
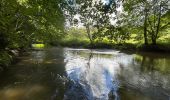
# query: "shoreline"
[160,48]
[9,57]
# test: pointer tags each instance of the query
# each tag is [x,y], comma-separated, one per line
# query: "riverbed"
[84,74]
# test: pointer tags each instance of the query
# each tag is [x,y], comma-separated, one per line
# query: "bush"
[5,59]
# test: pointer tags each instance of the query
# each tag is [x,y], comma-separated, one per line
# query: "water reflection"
[147,77]
[82,74]
[106,75]
[93,76]
[35,77]
[18,93]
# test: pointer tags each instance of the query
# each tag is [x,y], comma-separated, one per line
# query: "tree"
[93,14]
[148,14]
[154,20]
[22,20]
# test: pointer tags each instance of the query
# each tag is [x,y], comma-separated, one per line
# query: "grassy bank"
[123,47]
[79,39]
[129,45]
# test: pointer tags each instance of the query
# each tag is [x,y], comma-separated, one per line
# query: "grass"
[135,43]
[38,45]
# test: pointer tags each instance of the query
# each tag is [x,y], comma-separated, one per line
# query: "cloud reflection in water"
[93,77]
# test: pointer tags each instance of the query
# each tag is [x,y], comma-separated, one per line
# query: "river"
[84,74]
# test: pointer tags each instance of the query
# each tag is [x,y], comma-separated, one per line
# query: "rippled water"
[83,74]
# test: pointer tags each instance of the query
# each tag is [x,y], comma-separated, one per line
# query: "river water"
[83,74]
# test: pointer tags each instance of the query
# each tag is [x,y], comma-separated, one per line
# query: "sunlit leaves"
[21,18]
[22,2]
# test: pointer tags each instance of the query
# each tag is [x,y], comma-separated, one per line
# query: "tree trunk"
[158,26]
[154,40]
[156,32]
[145,28]
[89,35]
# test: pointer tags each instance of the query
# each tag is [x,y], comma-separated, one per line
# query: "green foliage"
[5,59]
[114,34]
[25,21]
[151,15]
[74,37]
[93,14]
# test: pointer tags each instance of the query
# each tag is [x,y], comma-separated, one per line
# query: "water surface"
[83,74]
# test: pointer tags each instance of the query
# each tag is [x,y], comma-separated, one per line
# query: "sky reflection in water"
[95,75]
[82,74]
[100,74]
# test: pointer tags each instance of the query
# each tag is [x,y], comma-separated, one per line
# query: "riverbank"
[8,57]
[164,48]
